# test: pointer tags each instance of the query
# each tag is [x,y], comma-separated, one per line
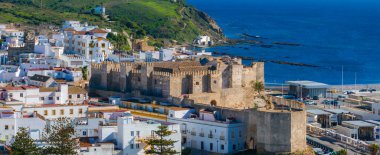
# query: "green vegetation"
[374,149]
[119,41]
[161,145]
[59,136]
[162,20]
[23,143]
[85,73]
[341,152]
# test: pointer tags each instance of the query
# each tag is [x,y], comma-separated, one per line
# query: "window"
[90,52]
[132,133]
[42,98]
[202,145]
[138,79]
[211,146]
[215,81]
[10,95]
[239,134]
[234,147]
[103,45]
[62,112]
[21,95]
[80,111]
[70,96]
[6,127]
[78,96]
[131,146]
[232,134]
[196,83]
[84,133]
[137,146]
[53,112]
[222,147]
[138,133]
[45,112]
[50,98]
[58,98]
[71,111]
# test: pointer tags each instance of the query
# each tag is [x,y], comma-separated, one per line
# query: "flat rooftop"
[359,123]
[337,111]
[308,84]
[318,112]
[376,122]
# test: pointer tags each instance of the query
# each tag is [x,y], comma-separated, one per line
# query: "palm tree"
[258,86]
[374,149]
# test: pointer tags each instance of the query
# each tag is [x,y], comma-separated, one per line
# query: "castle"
[221,84]
[219,81]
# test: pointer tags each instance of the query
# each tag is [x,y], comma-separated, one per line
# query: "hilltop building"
[217,81]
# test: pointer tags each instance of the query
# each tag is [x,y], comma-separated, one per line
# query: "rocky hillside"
[163,20]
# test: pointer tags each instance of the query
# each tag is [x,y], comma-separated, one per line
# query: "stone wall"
[268,131]
[225,83]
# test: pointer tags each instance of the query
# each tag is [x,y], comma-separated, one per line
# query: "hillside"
[161,19]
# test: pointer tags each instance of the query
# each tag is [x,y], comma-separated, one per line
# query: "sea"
[339,39]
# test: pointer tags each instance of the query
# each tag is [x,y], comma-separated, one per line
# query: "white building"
[77,26]
[87,127]
[93,44]
[166,54]
[9,73]
[203,41]
[358,130]
[40,80]
[208,134]
[54,111]
[10,122]
[32,95]
[132,133]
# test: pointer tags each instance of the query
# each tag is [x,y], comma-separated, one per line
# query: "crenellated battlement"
[177,78]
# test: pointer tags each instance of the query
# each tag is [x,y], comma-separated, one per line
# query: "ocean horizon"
[334,35]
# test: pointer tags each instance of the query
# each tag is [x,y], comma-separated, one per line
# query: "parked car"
[325,102]
[341,96]
[310,102]
[315,97]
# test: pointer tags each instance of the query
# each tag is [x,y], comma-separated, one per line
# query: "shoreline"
[336,87]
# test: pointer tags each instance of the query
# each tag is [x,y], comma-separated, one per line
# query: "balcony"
[210,136]
[201,134]
[222,138]
[193,133]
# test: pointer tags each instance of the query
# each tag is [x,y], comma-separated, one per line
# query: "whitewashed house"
[9,73]
[206,133]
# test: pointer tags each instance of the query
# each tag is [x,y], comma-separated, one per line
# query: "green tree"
[374,149]
[85,73]
[119,41]
[60,137]
[342,152]
[160,145]
[23,143]
[258,86]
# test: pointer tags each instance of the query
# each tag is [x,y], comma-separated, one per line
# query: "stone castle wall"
[269,131]
[227,85]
